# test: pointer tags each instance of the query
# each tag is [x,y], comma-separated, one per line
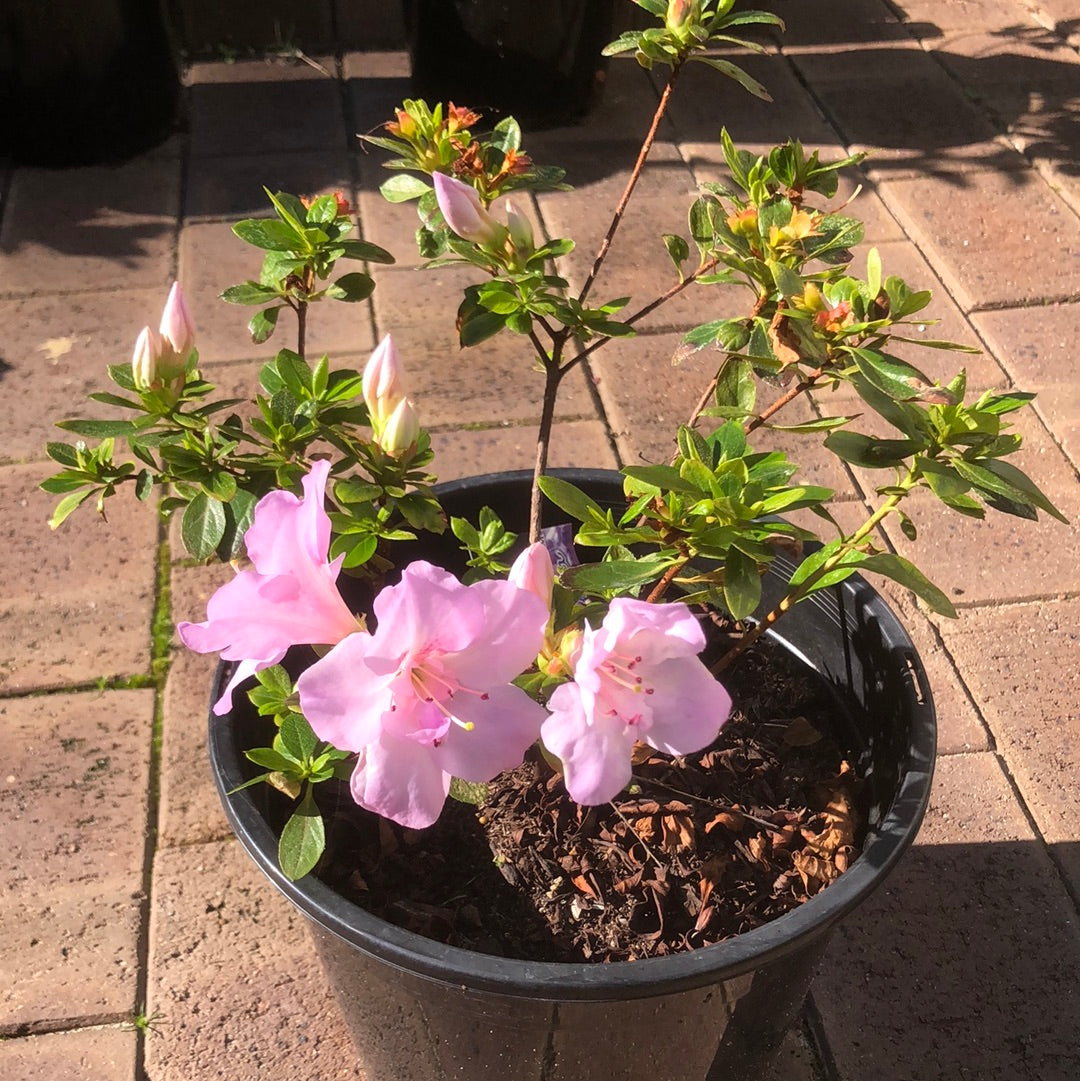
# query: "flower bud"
[176,330]
[401,431]
[678,11]
[465,214]
[521,233]
[144,359]
[532,570]
[382,384]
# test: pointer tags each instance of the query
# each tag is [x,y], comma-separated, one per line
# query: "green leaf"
[363,249]
[570,499]
[787,281]
[474,792]
[663,477]
[99,429]
[736,387]
[67,505]
[297,737]
[908,575]
[249,293]
[733,71]
[742,584]
[900,380]
[479,326]
[616,575]
[358,549]
[239,514]
[871,453]
[302,840]
[64,453]
[677,249]
[262,324]
[403,187]
[352,287]
[270,235]
[202,526]
[268,758]
[1020,482]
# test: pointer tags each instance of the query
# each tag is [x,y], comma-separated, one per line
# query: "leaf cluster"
[303,244]
[295,762]
[688,30]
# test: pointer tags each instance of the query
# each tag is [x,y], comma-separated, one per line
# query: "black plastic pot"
[539,62]
[423,1011]
[84,81]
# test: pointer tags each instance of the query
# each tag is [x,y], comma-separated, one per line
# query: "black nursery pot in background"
[84,81]
[420,1010]
[540,62]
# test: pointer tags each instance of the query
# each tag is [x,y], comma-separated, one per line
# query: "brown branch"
[635,175]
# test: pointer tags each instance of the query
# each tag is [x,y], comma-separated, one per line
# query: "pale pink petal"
[595,752]
[288,532]
[532,570]
[429,606]
[505,640]
[689,706]
[342,699]
[382,382]
[660,630]
[400,780]
[176,326]
[253,617]
[463,211]
[507,722]
[244,670]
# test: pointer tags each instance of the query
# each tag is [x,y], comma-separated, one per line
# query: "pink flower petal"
[595,751]
[400,780]
[507,722]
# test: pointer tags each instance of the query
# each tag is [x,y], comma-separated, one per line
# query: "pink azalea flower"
[532,570]
[428,697]
[176,330]
[636,677]
[289,599]
[465,214]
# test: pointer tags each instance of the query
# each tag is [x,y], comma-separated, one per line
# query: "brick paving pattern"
[124,898]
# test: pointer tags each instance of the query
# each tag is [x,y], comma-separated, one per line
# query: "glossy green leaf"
[302,840]
[202,526]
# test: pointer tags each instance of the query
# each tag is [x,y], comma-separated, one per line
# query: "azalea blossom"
[177,333]
[636,677]
[533,570]
[428,697]
[289,599]
[465,214]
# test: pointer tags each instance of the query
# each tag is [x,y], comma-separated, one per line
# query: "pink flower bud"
[401,431]
[144,359]
[521,233]
[177,330]
[532,570]
[465,214]
[382,383]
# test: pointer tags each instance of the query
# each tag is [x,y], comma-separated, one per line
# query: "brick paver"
[120,880]
[959,947]
[1020,665]
[74,791]
[97,1054]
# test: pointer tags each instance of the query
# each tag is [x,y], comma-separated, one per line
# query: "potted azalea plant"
[564,766]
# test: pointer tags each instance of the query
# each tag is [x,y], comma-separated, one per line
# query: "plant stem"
[552,378]
[301,327]
[805,587]
[668,577]
[635,175]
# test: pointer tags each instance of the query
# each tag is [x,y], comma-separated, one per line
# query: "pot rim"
[590,981]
